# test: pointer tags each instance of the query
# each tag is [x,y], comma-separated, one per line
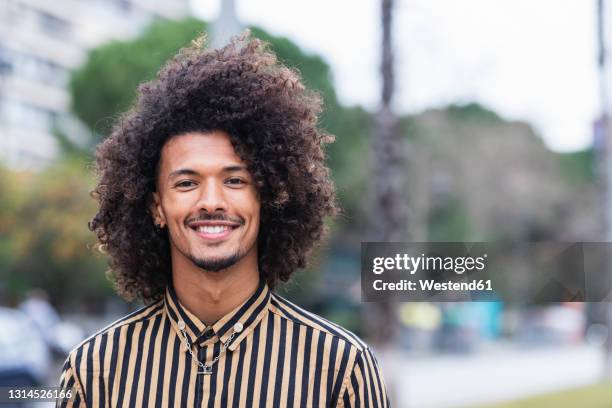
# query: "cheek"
[247,203]
[177,206]
[253,220]
[256,213]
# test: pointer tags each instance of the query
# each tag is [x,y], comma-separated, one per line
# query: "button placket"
[206,336]
[202,353]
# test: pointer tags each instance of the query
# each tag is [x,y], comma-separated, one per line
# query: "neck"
[211,295]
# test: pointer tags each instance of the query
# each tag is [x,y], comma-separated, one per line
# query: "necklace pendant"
[205,370]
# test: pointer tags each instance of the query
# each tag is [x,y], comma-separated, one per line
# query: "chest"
[284,367]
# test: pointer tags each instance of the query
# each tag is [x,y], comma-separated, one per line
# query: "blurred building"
[41,41]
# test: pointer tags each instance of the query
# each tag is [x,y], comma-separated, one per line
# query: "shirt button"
[181,325]
[208,334]
[238,327]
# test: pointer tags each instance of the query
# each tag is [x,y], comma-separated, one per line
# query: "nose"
[212,197]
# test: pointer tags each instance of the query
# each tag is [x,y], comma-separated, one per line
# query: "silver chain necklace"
[206,369]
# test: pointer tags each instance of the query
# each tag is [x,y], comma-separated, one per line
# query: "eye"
[185,184]
[235,181]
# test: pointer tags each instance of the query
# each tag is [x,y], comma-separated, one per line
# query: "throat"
[210,296]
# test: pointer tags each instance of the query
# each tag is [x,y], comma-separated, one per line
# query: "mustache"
[215,217]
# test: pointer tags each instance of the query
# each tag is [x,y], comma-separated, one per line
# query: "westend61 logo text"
[413,264]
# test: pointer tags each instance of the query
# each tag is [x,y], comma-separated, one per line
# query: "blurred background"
[465,120]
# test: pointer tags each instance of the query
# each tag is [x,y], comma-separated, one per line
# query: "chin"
[215,263]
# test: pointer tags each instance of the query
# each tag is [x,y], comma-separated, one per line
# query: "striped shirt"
[276,355]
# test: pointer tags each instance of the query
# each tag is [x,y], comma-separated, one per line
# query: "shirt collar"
[242,320]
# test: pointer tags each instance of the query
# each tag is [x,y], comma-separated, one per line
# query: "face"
[207,200]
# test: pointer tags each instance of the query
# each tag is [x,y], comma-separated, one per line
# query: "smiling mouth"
[213,232]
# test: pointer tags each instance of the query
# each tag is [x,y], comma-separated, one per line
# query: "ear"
[156,211]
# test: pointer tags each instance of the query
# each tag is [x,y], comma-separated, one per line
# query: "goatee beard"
[216,264]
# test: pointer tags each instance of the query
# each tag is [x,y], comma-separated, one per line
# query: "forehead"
[198,149]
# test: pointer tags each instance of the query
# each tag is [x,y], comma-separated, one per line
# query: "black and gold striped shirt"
[277,355]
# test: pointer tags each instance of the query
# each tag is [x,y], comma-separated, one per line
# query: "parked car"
[60,336]
[25,358]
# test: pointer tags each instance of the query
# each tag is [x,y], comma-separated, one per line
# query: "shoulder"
[361,382]
[298,315]
[128,323]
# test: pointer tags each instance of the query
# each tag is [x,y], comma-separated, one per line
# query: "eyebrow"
[191,172]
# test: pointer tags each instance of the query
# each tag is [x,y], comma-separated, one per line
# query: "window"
[22,115]
[32,68]
[54,26]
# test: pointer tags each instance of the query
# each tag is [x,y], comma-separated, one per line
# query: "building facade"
[41,41]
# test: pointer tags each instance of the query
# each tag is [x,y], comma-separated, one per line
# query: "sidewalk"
[501,373]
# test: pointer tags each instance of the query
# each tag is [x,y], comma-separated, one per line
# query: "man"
[213,188]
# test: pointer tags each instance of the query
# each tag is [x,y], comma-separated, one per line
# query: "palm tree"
[388,203]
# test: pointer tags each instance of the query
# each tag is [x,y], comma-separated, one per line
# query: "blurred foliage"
[477,177]
[448,221]
[472,112]
[106,84]
[315,71]
[578,167]
[45,241]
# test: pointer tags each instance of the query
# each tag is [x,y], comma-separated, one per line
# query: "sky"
[528,60]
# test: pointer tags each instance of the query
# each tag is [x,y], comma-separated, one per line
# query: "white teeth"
[212,230]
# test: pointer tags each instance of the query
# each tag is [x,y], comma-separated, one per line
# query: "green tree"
[45,241]
[106,84]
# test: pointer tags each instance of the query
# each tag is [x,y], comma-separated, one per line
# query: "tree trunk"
[388,211]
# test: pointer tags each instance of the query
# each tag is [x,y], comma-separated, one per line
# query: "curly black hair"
[272,120]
